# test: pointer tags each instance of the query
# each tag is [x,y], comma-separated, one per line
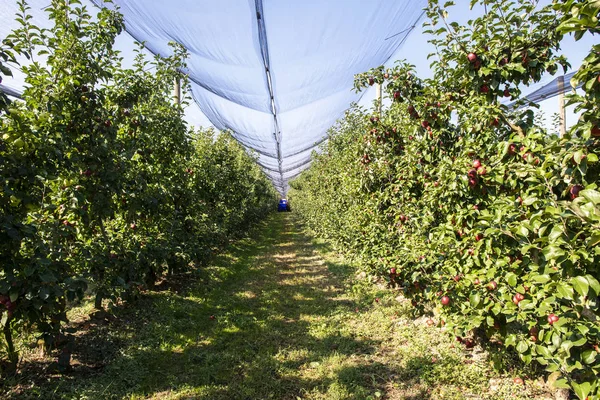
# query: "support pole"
[562,116]
[379,98]
[177,91]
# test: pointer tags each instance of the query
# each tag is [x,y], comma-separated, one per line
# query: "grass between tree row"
[278,316]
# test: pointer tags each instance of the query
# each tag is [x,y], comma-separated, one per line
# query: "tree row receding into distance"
[104,189]
[469,207]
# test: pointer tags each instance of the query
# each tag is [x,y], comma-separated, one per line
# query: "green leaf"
[511,278]
[543,350]
[552,252]
[565,291]
[557,232]
[522,346]
[474,299]
[556,339]
[47,277]
[591,195]
[589,356]
[581,285]
[540,278]
[522,231]
[44,293]
[594,240]
[594,284]
[581,389]
[561,384]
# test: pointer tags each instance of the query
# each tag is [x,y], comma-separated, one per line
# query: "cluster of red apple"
[475,172]
[8,304]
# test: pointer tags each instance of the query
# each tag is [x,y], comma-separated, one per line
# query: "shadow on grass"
[254,328]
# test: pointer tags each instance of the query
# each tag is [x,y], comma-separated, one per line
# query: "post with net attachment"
[562,116]
[379,98]
[177,91]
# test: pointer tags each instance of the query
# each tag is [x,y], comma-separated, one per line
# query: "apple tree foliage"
[470,206]
[104,189]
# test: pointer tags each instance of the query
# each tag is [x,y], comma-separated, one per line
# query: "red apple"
[518,381]
[595,131]
[519,296]
[574,191]
[533,332]
[492,285]
[478,237]
[445,300]
[371,81]
[484,88]
[476,164]
[552,318]
[472,57]
[506,93]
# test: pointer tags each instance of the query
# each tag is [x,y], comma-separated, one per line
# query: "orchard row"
[104,189]
[472,208]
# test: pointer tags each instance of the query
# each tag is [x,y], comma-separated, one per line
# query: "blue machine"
[283,205]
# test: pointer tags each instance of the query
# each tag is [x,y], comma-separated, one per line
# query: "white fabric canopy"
[303,54]
[276,73]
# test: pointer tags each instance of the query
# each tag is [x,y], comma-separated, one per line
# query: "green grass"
[290,322]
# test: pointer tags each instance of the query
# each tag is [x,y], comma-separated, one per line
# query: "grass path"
[273,318]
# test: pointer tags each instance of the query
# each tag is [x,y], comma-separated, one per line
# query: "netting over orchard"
[276,73]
